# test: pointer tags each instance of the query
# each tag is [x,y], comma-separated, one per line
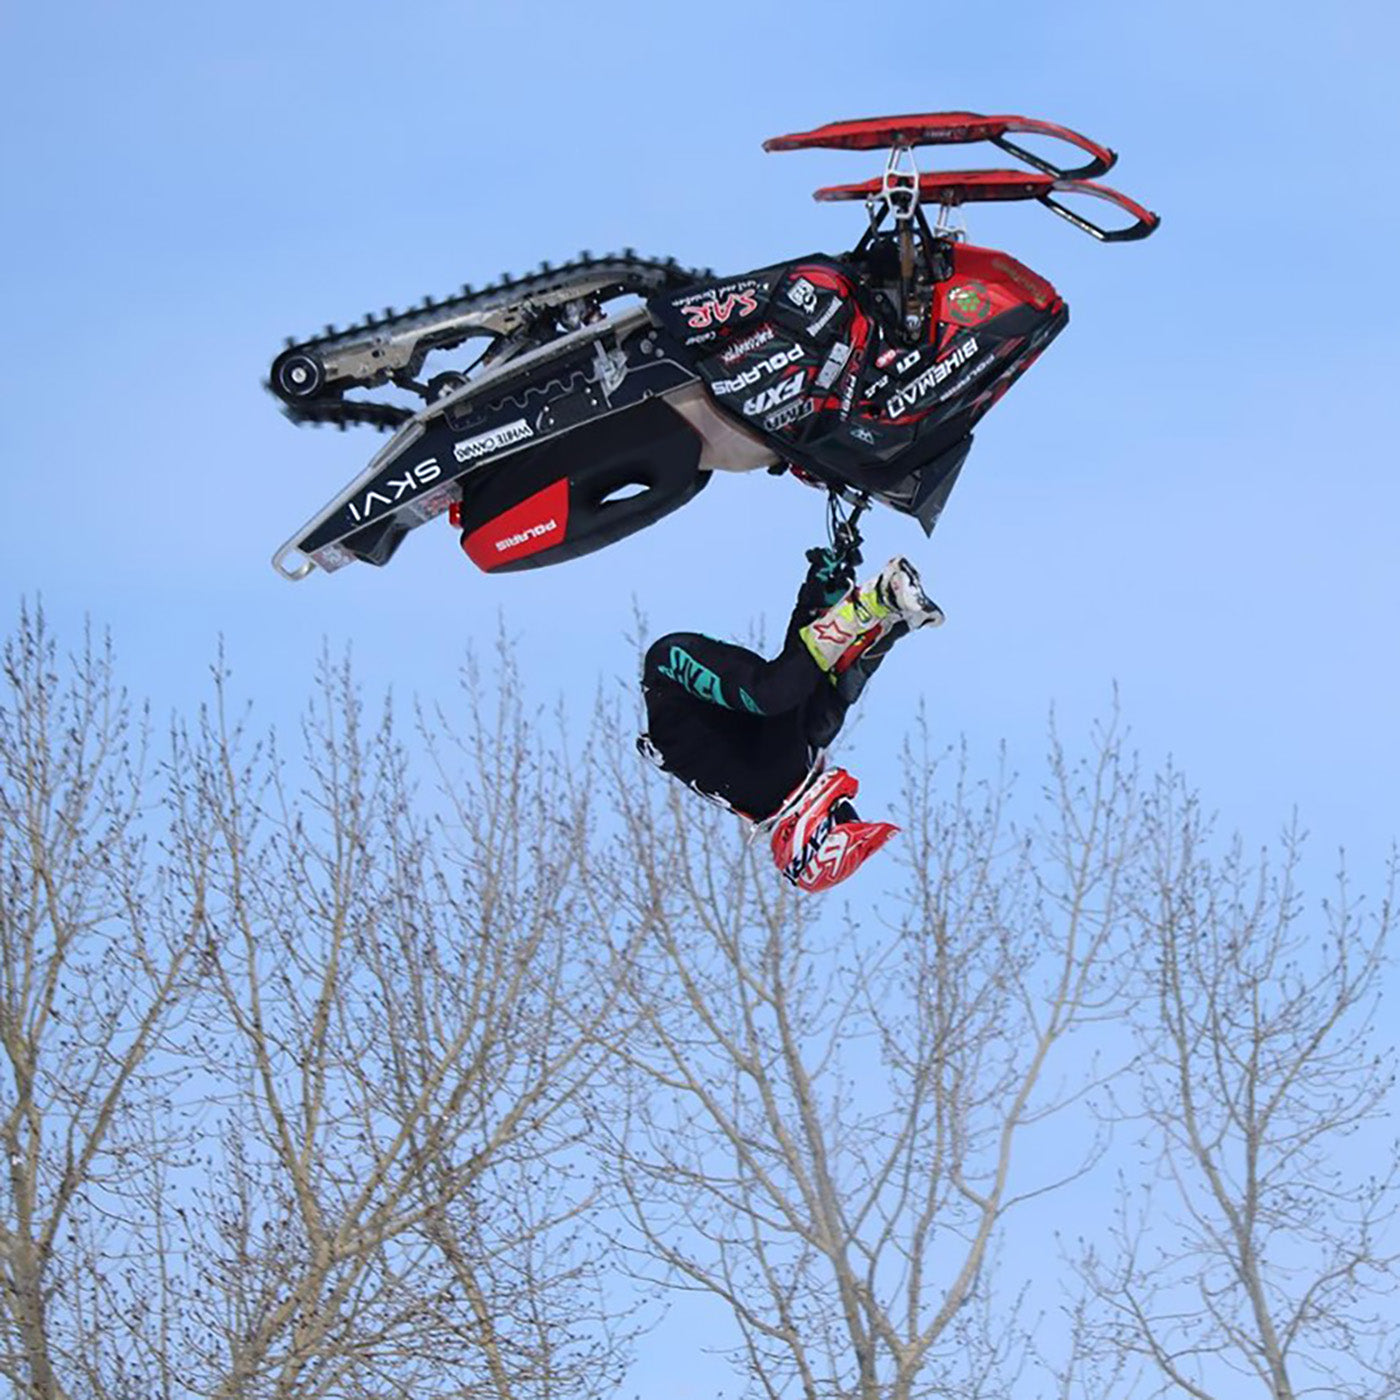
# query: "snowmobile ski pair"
[582,421]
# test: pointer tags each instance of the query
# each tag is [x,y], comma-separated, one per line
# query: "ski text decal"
[392,490]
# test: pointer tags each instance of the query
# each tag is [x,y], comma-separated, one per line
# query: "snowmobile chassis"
[575,427]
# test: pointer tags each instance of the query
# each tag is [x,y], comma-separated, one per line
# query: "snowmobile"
[607,392]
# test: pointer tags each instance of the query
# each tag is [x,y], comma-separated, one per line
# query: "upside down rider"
[752,733]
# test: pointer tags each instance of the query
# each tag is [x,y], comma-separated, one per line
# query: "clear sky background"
[1194,495]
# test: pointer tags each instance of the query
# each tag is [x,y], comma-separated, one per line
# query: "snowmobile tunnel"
[576,493]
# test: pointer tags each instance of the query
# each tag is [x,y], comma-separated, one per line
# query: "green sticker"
[969,303]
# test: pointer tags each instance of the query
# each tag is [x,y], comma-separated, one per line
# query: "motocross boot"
[902,591]
[843,632]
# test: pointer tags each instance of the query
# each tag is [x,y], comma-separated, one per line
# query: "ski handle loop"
[1102,158]
[1145,221]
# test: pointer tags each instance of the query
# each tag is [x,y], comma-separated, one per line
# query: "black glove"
[834,571]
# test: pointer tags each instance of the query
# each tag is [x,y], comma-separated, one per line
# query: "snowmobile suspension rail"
[311,376]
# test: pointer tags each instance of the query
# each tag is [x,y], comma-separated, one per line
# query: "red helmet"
[818,840]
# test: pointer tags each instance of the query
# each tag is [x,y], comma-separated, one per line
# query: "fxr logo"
[720,309]
[771,398]
[412,480]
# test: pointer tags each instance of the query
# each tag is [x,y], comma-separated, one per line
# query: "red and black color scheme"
[577,425]
[818,839]
[953,188]
[947,129]
[822,369]
[639,467]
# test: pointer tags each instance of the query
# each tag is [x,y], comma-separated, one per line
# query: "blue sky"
[1193,496]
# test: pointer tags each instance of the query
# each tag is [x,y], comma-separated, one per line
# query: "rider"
[750,733]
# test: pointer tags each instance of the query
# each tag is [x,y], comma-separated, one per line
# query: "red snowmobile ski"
[580,423]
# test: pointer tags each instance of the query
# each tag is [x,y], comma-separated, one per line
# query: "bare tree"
[828,1113]
[412,989]
[309,1063]
[98,949]
[296,1097]
[1251,1255]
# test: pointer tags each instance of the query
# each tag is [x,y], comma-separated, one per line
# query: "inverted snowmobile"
[606,392]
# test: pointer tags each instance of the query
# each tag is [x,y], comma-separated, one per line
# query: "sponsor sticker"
[848,392]
[745,346]
[532,533]
[439,499]
[963,380]
[484,444]
[917,390]
[738,284]
[1039,290]
[771,397]
[331,557]
[835,363]
[718,304]
[529,527]
[803,295]
[772,365]
[832,307]
[789,414]
[389,492]
[969,303]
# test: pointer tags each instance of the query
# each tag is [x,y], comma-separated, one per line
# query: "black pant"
[743,729]
[734,725]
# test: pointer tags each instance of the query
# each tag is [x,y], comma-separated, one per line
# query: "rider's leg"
[730,676]
[826,711]
[746,761]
